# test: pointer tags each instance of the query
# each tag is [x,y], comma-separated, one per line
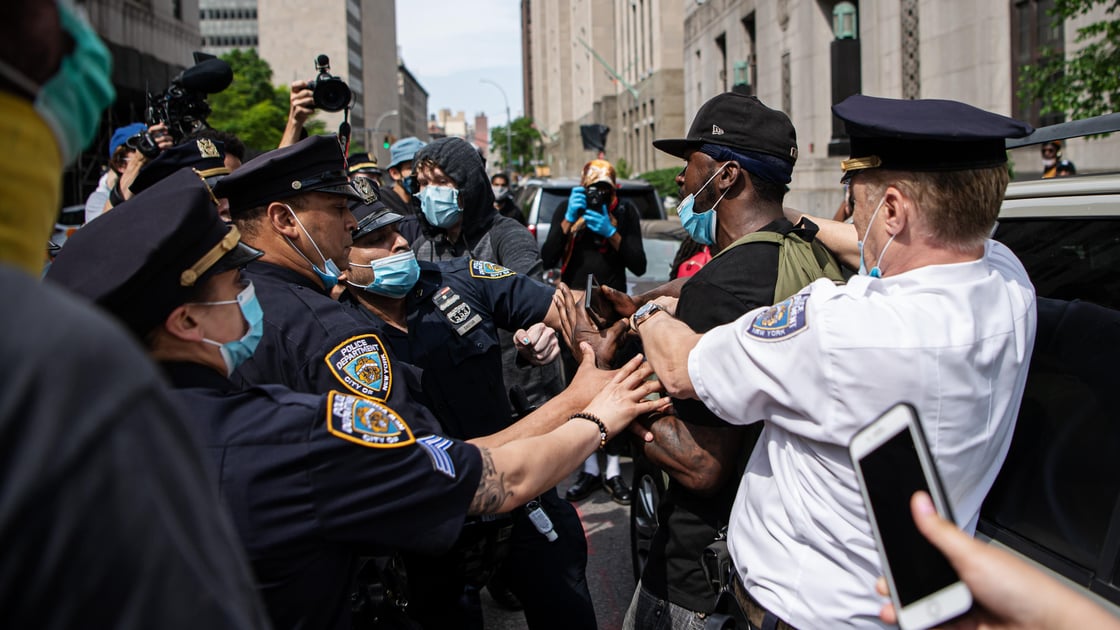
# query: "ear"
[281,220]
[182,325]
[897,207]
[730,176]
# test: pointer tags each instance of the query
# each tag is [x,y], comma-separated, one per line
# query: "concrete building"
[413,108]
[480,135]
[802,56]
[613,63]
[453,124]
[151,43]
[227,25]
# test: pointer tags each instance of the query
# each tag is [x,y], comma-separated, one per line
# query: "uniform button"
[478,345]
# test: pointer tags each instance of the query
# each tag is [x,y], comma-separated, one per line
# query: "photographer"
[128,166]
[326,92]
[596,234]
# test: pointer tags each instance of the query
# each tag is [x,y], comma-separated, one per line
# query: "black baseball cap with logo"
[741,123]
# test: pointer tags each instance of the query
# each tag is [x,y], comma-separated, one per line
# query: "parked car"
[1056,501]
[539,198]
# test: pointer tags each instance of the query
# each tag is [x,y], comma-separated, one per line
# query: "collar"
[278,273]
[431,278]
[184,375]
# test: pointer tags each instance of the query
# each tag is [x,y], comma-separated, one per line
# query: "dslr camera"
[331,93]
[597,197]
[183,107]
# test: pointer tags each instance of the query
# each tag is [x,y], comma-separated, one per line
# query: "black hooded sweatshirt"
[485,234]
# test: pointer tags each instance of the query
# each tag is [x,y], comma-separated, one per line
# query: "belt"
[757,615]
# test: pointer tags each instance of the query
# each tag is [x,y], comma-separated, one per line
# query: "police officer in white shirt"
[941,316]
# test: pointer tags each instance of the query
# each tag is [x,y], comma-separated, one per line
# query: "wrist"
[647,310]
[583,415]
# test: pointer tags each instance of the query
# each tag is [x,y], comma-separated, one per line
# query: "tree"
[1086,83]
[664,180]
[251,107]
[525,140]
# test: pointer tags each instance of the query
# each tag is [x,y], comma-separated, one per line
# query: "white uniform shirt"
[953,340]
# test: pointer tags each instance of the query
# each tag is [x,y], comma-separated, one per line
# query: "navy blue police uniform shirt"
[454,314]
[313,344]
[315,481]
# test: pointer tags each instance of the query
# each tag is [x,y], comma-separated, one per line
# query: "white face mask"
[876,271]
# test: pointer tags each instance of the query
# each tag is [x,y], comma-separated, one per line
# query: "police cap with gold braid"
[205,156]
[145,257]
[924,134]
[314,164]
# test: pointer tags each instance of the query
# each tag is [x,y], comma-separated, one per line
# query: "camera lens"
[331,94]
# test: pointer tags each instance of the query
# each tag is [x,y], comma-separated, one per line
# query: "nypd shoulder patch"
[437,447]
[784,319]
[483,269]
[362,365]
[366,422]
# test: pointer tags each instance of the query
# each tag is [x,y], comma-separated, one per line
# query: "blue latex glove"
[599,222]
[577,203]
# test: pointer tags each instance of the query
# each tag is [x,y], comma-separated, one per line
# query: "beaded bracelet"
[597,421]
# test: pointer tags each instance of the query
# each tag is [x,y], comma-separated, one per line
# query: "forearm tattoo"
[492,492]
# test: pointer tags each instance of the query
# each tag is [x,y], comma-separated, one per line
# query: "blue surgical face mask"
[440,205]
[328,275]
[234,353]
[876,271]
[72,100]
[393,276]
[701,226]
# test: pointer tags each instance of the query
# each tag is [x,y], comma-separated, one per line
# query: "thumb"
[943,534]
[587,352]
[521,336]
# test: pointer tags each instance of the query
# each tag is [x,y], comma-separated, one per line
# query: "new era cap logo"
[716,131]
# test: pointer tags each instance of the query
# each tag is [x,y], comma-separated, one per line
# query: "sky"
[451,45]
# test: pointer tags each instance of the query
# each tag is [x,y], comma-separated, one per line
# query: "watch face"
[646,309]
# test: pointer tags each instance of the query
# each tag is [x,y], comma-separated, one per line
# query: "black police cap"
[314,164]
[142,260]
[740,122]
[364,163]
[205,156]
[924,134]
[372,217]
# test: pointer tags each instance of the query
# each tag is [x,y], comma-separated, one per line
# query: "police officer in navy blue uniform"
[312,481]
[292,204]
[444,318]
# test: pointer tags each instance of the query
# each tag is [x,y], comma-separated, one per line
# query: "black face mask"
[410,185]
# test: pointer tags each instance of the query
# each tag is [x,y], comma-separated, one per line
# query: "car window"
[644,200]
[1058,489]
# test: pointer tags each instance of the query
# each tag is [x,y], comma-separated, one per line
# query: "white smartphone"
[892,462]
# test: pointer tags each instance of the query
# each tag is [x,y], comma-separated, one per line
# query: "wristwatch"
[642,314]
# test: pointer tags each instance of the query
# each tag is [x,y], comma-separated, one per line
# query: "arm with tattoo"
[492,492]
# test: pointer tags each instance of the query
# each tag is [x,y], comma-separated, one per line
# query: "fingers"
[955,544]
[887,614]
[587,353]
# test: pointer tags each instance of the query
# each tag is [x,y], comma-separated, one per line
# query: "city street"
[610,574]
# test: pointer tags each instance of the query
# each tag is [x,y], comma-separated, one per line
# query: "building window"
[844,57]
[911,59]
[1036,37]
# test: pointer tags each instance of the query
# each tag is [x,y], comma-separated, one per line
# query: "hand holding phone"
[598,308]
[892,462]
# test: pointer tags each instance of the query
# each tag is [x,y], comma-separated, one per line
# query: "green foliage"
[1086,83]
[251,107]
[664,180]
[524,140]
[622,169]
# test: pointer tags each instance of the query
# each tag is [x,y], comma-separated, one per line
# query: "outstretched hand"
[577,327]
[624,396]
[623,303]
[1007,593]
